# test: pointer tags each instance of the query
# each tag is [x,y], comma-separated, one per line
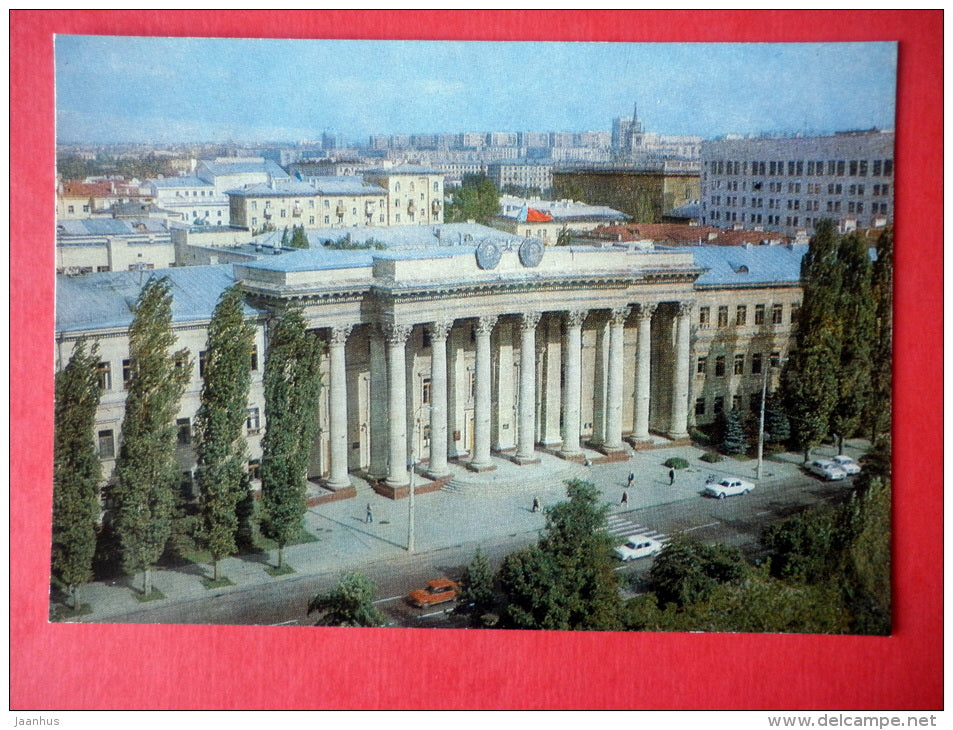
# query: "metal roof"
[110,226]
[748,264]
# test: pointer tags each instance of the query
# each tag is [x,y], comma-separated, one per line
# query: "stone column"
[438,397]
[643,372]
[551,365]
[378,405]
[397,335]
[483,404]
[678,428]
[613,440]
[599,383]
[573,386]
[526,445]
[337,402]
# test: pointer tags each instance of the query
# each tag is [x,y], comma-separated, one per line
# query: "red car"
[437,591]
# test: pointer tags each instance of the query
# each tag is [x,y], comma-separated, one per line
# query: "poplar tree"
[147,472]
[809,379]
[219,424]
[299,239]
[76,470]
[879,408]
[292,389]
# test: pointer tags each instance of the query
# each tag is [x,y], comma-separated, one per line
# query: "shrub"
[711,457]
[676,462]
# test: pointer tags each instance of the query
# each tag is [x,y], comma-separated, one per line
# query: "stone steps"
[509,483]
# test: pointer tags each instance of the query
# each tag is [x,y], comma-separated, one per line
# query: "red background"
[77,666]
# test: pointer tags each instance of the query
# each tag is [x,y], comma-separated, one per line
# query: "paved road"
[736,521]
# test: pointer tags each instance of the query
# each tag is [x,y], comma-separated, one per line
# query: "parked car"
[439,590]
[728,487]
[638,546]
[827,469]
[847,464]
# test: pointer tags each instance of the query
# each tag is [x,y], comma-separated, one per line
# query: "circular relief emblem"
[488,254]
[531,252]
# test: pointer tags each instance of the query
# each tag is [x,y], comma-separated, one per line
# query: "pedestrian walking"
[631,479]
[671,477]
[625,499]
[535,504]
[368,516]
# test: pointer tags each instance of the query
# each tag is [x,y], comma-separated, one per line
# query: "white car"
[638,546]
[827,469]
[847,464]
[728,487]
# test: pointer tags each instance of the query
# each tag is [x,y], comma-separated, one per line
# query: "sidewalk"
[473,508]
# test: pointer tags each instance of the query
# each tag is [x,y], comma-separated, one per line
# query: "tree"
[809,379]
[857,339]
[350,604]
[476,593]
[567,580]
[685,572]
[299,239]
[881,355]
[476,199]
[146,470]
[806,548]
[776,424]
[735,440]
[219,423]
[76,470]
[285,239]
[292,389]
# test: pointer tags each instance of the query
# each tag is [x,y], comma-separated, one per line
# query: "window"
[756,363]
[253,421]
[736,402]
[759,314]
[182,362]
[203,358]
[107,445]
[184,427]
[704,316]
[104,375]
[718,407]
[720,365]
[777,313]
[723,316]
[425,388]
[126,373]
[701,366]
[699,406]
[795,311]
[739,364]
[253,467]
[775,359]
[254,357]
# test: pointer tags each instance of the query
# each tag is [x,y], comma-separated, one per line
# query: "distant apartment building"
[85,198]
[523,174]
[414,194]
[109,244]
[631,142]
[789,184]
[547,219]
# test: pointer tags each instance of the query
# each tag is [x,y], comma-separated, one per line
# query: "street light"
[772,362]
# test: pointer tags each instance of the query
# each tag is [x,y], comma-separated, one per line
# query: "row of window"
[732,216]
[756,364]
[718,404]
[797,168]
[104,368]
[741,315]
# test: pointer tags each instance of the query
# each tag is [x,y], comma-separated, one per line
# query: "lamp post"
[410,505]
[772,362]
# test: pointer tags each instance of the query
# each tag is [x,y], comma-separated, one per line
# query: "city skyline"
[112,90]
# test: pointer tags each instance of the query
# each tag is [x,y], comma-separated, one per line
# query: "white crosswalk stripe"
[619,526]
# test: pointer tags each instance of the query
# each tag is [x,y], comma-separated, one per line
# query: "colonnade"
[395,337]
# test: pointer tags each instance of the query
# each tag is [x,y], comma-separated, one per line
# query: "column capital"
[645,311]
[485,324]
[396,334]
[685,307]
[529,320]
[340,333]
[440,329]
[575,317]
[618,315]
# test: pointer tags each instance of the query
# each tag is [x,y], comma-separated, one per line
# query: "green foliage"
[77,168]
[299,239]
[867,561]
[76,469]
[476,199]
[350,604]
[285,238]
[686,571]
[776,425]
[346,244]
[879,409]
[676,462]
[735,440]
[806,548]
[220,421]
[147,472]
[476,586]
[565,237]
[711,457]
[292,389]
[567,580]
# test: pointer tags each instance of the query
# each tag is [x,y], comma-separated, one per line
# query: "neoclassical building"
[493,346]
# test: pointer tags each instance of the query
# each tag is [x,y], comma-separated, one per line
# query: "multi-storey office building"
[790,184]
[470,349]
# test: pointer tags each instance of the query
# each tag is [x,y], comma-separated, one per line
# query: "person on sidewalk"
[671,477]
[631,479]
[535,504]
[369,516]
[625,499]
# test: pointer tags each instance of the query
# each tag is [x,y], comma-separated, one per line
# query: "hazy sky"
[123,89]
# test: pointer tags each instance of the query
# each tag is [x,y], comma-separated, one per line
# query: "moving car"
[847,464]
[827,469]
[638,546]
[728,487]
[439,590]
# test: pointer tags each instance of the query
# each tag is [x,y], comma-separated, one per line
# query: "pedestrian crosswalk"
[622,527]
